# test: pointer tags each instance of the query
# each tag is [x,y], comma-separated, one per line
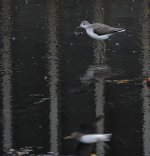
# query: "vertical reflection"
[6,78]
[146,71]
[53,74]
[99,87]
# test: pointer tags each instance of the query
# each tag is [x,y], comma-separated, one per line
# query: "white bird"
[99,31]
[89,138]
[87,133]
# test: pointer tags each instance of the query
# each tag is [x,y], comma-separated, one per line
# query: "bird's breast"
[97,37]
[91,33]
[88,139]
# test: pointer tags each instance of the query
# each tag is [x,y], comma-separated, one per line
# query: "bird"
[87,136]
[99,31]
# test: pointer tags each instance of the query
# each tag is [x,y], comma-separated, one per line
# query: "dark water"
[50,81]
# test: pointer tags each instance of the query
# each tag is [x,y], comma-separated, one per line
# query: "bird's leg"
[104,49]
[99,52]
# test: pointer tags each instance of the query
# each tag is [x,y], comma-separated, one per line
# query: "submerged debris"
[21,152]
[135,81]
[27,151]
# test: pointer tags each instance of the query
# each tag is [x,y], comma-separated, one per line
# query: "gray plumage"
[102,29]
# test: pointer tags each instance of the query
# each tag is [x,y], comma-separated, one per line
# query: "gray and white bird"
[89,138]
[88,133]
[100,31]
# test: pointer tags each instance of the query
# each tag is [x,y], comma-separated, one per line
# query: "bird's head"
[84,24]
[74,135]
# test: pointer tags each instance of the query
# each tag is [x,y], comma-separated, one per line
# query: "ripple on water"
[95,71]
[2,120]
[28,151]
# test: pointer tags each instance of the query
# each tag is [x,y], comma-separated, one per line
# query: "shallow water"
[50,80]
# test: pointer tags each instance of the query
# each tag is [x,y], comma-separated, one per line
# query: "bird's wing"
[102,29]
[98,118]
[90,127]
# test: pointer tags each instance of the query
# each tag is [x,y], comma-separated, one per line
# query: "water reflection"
[146,72]
[52,67]
[94,72]
[30,91]
[43,96]
[99,86]
[6,76]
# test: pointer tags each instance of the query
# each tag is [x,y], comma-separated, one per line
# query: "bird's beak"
[67,137]
[78,27]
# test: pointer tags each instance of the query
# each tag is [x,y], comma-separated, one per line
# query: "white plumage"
[93,35]
[92,138]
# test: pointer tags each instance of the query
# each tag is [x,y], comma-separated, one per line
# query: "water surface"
[51,82]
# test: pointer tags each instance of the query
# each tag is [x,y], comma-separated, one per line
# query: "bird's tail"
[122,30]
[105,137]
